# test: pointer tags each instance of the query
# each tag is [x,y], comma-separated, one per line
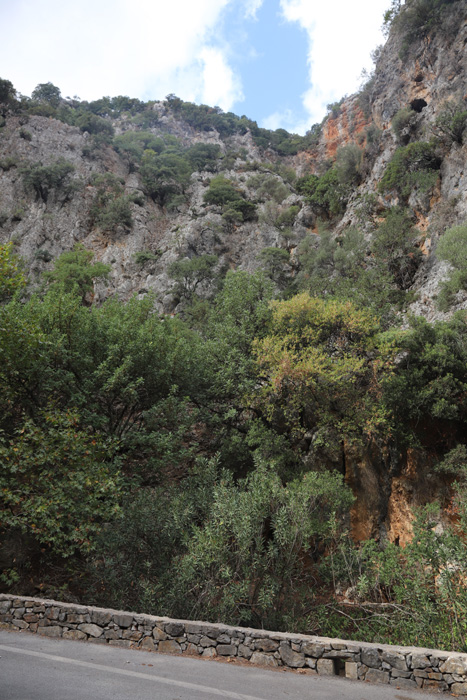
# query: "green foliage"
[189,274]
[25,134]
[414,166]
[43,179]
[141,257]
[327,195]
[402,123]
[348,164]
[316,372]
[134,143]
[164,175]
[340,267]
[451,122]
[203,156]
[7,92]
[73,271]
[275,262]
[223,193]
[245,563]
[58,482]
[452,249]
[268,186]
[427,394]
[11,275]
[414,19]
[414,595]
[394,245]
[95,126]
[47,92]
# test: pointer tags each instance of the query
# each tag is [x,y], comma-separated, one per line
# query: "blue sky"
[280,62]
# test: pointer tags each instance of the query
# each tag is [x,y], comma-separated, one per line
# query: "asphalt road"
[37,668]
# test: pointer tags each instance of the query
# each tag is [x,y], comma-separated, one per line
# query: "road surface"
[38,668]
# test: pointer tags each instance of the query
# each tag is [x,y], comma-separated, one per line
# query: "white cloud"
[341,35]
[144,48]
[252,7]
[220,85]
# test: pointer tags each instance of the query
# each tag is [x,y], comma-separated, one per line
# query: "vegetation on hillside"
[193,464]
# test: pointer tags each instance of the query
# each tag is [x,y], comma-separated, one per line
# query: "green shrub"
[452,248]
[47,92]
[451,122]
[25,134]
[141,257]
[402,123]
[223,193]
[44,255]
[414,166]
[267,187]
[326,195]
[43,179]
[393,244]
[348,164]
[134,143]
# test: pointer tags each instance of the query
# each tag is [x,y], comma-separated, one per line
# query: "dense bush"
[451,122]
[43,179]
[452,247]
[414,166]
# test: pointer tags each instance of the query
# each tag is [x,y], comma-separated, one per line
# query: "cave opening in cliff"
[418,104]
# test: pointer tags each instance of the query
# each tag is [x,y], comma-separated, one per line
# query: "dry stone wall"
[404,667]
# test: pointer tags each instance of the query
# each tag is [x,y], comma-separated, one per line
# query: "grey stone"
[120,643]
[310,662]
[290,657]
[76,619]
[313,649]
[19,612]
[454,664]
[123,620]
[209,653]
[224,639]
[266,645]
[395,673]
[351,670]
[113,634]
[459,688]
[158,634]
[420,673]
[263,659]
[174,629]
[326,667]
[438,686]
[244,651]
[404,683]
[74,634]
[134,635]
[52,631]
[90,629]
[376,676]
[100,617]
[148,643]
[370,657]
[395,660]
[192,648]
[5,605]
[207,642]
[226,650]
[21,624]
[169,646]
[420,661]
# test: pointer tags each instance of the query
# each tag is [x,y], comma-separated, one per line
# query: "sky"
[279,62]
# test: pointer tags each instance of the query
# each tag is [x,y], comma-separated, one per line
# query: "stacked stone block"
[404,667]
